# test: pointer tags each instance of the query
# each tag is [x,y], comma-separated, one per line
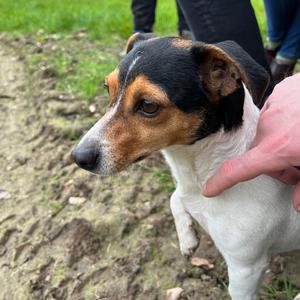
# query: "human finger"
[241,168]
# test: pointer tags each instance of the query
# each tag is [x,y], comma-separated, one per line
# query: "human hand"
[276,148]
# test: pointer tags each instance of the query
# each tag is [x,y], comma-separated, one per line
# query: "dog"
[195,103]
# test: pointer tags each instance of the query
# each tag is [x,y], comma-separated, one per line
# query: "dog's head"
[167,91]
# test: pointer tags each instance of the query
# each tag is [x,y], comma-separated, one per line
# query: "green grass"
[281,288]
[80,65]
[102,18]
[165,180]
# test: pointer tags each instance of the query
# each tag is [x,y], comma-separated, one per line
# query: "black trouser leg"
[182,24]
[143,15]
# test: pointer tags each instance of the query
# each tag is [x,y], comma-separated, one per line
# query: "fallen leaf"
[201,262]
[174,293]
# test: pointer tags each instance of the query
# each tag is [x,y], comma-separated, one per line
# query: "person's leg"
[214,21]
[279,15]
[290,48]
[143,15]
[283,19]
[277,25]
[183,27]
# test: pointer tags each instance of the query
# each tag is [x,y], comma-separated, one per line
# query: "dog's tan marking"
[142,89]
[138,37]
[182,43]
[132,135]
[131,41]
[220,73]
[112,80]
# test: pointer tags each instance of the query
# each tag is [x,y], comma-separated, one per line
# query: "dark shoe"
[270,54]
[281,70]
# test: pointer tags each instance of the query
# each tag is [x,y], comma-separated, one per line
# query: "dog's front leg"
[245,278]
[188,240]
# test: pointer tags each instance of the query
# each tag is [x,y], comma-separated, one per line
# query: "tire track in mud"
[27,228]
[17,176]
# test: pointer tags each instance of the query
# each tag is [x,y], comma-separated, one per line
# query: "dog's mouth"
[140,158]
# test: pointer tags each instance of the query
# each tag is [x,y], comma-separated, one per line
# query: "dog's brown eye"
[148,108]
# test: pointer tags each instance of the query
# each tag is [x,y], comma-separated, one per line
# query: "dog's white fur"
[248,222]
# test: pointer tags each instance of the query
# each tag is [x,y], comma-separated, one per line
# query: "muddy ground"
[69,235]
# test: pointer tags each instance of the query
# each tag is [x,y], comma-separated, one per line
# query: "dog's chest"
[188,187]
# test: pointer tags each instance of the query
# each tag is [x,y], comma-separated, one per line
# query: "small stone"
[68,183]
[174,293]
[92,108]
[77,200]
[4,195]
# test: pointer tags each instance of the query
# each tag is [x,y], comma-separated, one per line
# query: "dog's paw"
[188,243]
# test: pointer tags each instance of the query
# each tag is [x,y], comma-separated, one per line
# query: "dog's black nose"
[85,157]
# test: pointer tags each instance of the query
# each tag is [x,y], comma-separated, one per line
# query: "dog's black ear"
[220,75]
[257,77]
[137,38]
[221,79]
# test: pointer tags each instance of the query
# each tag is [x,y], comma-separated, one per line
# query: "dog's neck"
[192,165]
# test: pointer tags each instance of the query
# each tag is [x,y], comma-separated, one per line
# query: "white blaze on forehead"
[132,65]
[126,79]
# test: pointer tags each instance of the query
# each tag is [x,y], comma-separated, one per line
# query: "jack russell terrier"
[195,102]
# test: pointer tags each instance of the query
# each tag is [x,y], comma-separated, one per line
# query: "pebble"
[92,108]
[4,194]
[174,293]
[77,200]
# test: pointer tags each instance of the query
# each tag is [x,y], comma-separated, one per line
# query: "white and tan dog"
[194,102]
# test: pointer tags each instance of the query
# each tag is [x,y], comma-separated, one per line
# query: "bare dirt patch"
[115,239]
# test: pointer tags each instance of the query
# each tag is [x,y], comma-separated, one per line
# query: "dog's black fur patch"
[177,71]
